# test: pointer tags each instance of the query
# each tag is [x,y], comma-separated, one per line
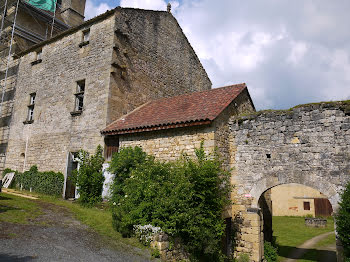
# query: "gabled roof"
[198,108]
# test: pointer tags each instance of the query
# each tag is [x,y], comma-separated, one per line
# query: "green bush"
[270,252]
[49,182]
[184,198]
[343,221]
[89,177]
[243,258]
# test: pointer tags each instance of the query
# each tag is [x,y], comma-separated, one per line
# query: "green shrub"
[155,253]
[184,198]
[243,258]
[89,177]
[49,182]
[122,163]
[270,252]
[343,221]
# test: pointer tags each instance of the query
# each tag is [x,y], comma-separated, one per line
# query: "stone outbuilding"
[168,127]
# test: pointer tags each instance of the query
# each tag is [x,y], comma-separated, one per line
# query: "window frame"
[31,106]
[39,57]
[85,39]
[306,205]
[79,97]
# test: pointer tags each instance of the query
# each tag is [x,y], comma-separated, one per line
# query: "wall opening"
[286,212]
[70,191]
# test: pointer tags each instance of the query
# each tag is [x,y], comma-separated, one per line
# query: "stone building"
[89,76]
[30,25]
[168,127]
[298,200]
[306,145]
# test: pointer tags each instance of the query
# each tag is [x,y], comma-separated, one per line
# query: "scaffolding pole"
[3,18]
[8,59]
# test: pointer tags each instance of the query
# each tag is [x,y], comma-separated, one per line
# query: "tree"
[89,177]
[343,221]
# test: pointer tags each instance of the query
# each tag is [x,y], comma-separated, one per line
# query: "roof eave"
[156,128]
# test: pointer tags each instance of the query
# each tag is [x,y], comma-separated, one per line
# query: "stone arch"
[323,185]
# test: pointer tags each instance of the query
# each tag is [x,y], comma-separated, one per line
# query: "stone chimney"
[72,12]
[169,8]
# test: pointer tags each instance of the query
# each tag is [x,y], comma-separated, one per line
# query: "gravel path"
[298,252]
[57,236]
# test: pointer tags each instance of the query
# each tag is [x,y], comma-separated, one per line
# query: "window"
[79,96]
[86,38]
[39,55]
[30,116]
[86,35]
[306,205]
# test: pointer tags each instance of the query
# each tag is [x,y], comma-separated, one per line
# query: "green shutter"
[48,5]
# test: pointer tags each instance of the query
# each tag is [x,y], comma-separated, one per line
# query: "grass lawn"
[291,232]
[14,209]
[316,255]
[97,218]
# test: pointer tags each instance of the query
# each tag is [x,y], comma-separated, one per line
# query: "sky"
[287,52]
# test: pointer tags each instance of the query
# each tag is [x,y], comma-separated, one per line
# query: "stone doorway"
[70,190]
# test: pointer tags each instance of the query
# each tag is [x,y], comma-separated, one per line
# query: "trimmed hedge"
[48,182]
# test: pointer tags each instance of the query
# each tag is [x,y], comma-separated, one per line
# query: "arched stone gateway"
[307,145]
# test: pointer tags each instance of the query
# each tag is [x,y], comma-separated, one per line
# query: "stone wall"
[307,145]
[169,144]
[152,59]
[55,132]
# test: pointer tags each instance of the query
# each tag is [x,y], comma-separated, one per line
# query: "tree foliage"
[343,221]
[89,177]
[184,198]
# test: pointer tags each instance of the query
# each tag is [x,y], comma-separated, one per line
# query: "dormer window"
[86,38]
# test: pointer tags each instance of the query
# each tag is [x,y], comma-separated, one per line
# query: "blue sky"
[288,52]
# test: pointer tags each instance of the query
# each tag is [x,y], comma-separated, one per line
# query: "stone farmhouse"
[130,77]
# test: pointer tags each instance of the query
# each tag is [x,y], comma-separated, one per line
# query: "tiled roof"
[189,109]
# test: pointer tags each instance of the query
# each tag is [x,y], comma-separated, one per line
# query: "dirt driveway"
[57,236]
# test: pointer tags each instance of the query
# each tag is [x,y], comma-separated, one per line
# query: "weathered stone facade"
[131,56]
[307,145]
[169,145]
[32,26]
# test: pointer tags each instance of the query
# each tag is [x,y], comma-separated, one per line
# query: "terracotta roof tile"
[175,111]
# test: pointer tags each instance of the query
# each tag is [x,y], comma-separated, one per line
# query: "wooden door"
[323,207]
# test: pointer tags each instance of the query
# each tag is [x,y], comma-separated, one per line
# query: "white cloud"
[297,53]
[150,4]
[145,4]
[92,10]
[292,53]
